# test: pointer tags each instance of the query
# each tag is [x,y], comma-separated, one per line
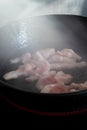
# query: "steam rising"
[11,10]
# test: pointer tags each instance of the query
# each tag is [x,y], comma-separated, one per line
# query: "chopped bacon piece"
[61,76]
[38,56]
[58,78]
[13,75]
[46,53]
[70,53]
[45,80]
[57,58]
[26,58]
[55,88]
[77,86]
[42,67]
[63,66]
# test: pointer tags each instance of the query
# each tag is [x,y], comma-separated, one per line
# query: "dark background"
[13,116]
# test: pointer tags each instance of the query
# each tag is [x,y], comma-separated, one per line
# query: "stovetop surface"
[8,112]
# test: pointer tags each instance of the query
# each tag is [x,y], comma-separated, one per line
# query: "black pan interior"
[57,31]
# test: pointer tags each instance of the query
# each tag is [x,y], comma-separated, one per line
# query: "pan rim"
[44,15]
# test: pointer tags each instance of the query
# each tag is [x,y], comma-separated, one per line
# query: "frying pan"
[35,33]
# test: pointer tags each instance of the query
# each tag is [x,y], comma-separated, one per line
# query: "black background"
[11,115]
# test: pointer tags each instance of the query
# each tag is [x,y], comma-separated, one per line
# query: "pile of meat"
[47,68]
